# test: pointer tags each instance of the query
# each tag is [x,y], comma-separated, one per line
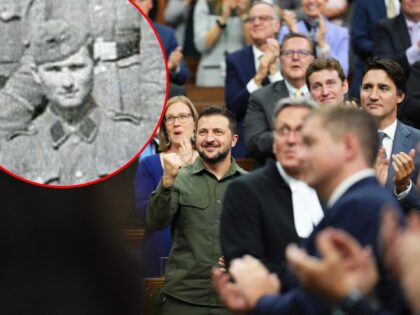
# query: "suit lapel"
[247,64]
[402,143]
[402,31]
[279,91]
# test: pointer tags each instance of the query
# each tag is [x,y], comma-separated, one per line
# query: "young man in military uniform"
[190,199]
[131,84]
[74,140]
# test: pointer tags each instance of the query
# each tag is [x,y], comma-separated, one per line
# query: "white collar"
[411,24]
[287,178]
[390,130]
[292,90]
[347,183]
[257,52]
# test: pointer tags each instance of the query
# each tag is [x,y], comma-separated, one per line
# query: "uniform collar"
[86,127]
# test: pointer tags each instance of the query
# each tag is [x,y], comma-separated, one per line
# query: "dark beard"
[216,159]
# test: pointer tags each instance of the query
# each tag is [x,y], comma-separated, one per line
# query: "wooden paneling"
[206,96]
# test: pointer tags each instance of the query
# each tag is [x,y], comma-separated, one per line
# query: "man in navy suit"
[340,146]
[178,71]
[399,39]
[365,16]
[253,66]
[382,90]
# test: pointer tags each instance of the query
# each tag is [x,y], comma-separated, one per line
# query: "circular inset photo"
[85,94]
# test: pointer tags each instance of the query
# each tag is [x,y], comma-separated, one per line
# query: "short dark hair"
[219,111]
[339,120]
[391,67]
[324,64]
[297,35]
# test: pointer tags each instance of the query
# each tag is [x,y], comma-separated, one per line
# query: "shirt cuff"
[275,77]
[403,194]
[177,70]
[252,86]
[413,54]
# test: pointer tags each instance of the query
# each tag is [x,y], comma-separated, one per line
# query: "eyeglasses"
[300,53]
[286,131]
[182,118]
[262,18]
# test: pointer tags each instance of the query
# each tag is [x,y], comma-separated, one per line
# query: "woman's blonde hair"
[164,142]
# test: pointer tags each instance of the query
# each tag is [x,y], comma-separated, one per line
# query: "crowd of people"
[323,95]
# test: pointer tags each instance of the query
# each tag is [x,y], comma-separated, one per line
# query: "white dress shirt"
[292,90]
[307,211]
[252,86]
[389,138]
[413,52]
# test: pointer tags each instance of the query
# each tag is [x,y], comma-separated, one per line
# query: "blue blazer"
[337,37]
[406,138]
[169,43]
[157,243]
[240,69]
[357,212]
[365,16]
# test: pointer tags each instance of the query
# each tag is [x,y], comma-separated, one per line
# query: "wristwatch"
[350,300]
[220,24]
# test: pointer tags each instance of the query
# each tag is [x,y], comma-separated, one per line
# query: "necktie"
[381,136]
[391,11]
[298,93]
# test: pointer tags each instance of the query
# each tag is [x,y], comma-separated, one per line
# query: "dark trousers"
[177,307]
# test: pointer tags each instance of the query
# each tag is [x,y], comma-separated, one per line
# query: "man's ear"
[234,140]
[401,96]
[34,71]
[345,86]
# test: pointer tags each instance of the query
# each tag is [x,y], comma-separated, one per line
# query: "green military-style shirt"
[192,205]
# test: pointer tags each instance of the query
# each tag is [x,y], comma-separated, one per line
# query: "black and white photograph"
[83,85]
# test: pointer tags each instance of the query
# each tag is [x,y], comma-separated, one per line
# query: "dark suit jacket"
[259,120]
[357,212]
[240,69]
[365,16]
[257,218]
[169,43]
[406,138]
[391,39]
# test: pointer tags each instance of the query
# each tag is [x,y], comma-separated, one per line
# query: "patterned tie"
[391,10]
[298,93]
[381,136]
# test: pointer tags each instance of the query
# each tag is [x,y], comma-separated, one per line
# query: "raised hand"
[229,292]
[253,279]
[403,167]
[175,59]
[186,152]
[172,163]
[289,17]
[344,265]
[381,166]
[402,253]
[320,36]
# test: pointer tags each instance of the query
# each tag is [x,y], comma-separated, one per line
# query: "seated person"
[330,40]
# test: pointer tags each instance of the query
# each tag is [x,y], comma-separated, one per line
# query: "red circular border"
[141,150]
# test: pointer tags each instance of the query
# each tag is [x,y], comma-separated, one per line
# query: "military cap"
[56,40]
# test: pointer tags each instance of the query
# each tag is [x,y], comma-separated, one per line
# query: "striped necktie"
[381,136]
[298,93]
